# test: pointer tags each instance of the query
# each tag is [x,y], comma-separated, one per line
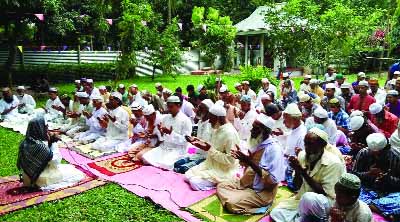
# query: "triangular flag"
[144,23]
[65,47]
[42,47]
[204,27]
[20,48]
[110,21]
[40,16]
[180,25]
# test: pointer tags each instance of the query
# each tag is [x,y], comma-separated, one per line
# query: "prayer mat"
[86,150]
[12,202]
[212,209]
[115,165]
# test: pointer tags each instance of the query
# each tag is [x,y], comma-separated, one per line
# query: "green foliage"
[255,74]
[218,37]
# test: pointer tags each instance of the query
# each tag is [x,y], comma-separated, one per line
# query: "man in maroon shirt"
[384,120]
[361,101]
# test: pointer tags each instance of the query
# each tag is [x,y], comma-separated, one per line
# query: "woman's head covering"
[34,154]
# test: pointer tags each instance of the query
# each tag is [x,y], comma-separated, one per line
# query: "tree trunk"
[169,11]
[12,49]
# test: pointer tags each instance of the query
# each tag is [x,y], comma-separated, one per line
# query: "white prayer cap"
[293,110]
[304,97]
[345,85]
[77,81]
[223,89]
[356,113]
[245,82]
[363,83]
[117,95]
[266,97]
[173,99]
[53,89]
[376,141]
[265,80]
[356,122]
[392,93]
[375,108]
[5,89]
[314,81]
[148,110]
[219,102]
[237,84]
[361,74]
[167,91]
[396,73]
[157,84]
[82,95]
[133,86]
[320,133]
[200,87]
[97,97]
[102,87]
[218,79]
[307,77]
[285,75]
[321,113]
[121,86]
[217,110]
[135,106]
[89,80]
[208,103]
[266,121]
[21,87]
[245,98]
[330,86]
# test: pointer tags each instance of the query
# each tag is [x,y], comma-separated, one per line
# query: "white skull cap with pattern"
[135,106]
[376,141]
[237,84]
[304,97]
[293,110]
[102,88]
[89,80]
[321,113]
[356,122]
[200,87]
[173,99]
[363,83]
[345,85]
[330,86]
[375,108]
[82,95]
[320,133]
[266,97]
[265,80]
[77,81]
[97,97]
[148,110]
[223,89]
[208,102]
[121,86]
[217,110]
[116,95]
[21,87]
[266,121]
[356,113]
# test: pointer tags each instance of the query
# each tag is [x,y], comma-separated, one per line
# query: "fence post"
[79,54]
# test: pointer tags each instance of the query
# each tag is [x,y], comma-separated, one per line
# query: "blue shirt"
[341,119]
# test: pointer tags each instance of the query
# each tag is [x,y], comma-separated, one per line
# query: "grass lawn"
[107,203]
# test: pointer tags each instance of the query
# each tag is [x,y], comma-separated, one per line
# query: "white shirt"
[139,99]
[187,109]
[280,125]
[49,108]
[252,94]
[380,96]
[93,122]
[295,139]
[4,106]
[95,92]
[330,128]
[29,102]
[243,126]
[271,88]
[118,130]
[305,87]
[181,127]
[204,130]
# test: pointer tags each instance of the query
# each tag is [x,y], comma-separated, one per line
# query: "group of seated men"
[336,144]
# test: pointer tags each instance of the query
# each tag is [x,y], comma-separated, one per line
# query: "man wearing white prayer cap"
[326,167]
[116,123]
[90,89]
[244,119]
[78,86]
[264,170]
[316,89]
[331,93]
[246,90]
[266,86]
[320,116]
[219,165]
[361,128]
[307,105]
[362,100]
[9,105]
[26,102]
[173,128]
[393,103]
[383,119]
[305,84]
[53,105]
[134,95]
[104,93]
[159,87]
[124,92]
[376,166]
[92,121]
[204,129]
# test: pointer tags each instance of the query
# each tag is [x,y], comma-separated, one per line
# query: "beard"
[253,142]
[8,99]
[216,125]
[311,158]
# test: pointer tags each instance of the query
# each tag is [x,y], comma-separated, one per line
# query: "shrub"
[255,74]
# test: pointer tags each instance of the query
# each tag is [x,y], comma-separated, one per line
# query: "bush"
[255,74]
[63,72]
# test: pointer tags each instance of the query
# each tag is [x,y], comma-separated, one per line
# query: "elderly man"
[338,115]
[93,122]
[361,101]
[378,168]
[154,100]
[8,105]
[305,85]
[159,88]
[173,128]
[330,73]
[90,89]
[204,129]
[219,165]
[79,125]
[249,92]
[116,124]
[266,86]
[53,106]
[393,105]
[264,170]
[244,119]
[279,130]
[316,170]
[307,105]
[26,102]
[78,86]
[384,120]
[321,117]
[135,96]
[316,89]
[104,93]
[360,77]
[330,91]
[121,89]
[378,93]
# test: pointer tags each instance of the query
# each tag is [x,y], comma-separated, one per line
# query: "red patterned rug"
[11,202]
[115,165]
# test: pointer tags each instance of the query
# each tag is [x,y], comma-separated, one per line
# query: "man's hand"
[241,115]
[277,132]
[239,155]
[133,121]
[166,130]
[295,164]
[21,105]
[357,146]
[336,215]
[111,118]
[374,172]
[86,114]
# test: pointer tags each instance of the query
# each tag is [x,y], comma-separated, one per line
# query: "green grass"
[107,203]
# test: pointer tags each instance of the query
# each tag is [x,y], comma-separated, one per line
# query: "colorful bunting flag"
[40,16]
[110,21]
[180,25]
[42,47]
[20,48]
[65,47]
